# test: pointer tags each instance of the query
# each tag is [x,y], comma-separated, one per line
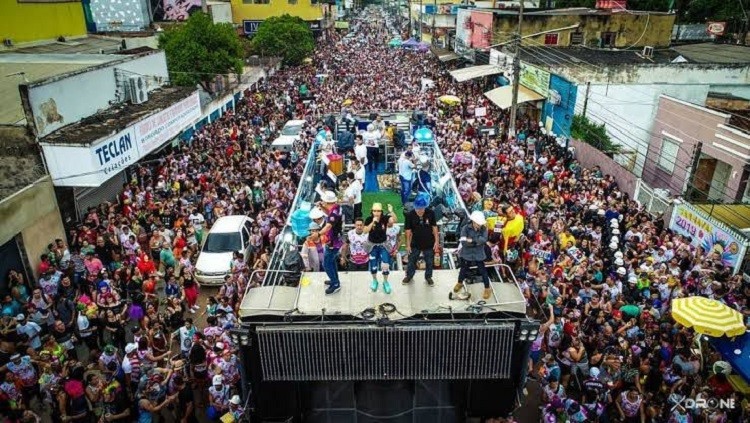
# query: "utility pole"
[434,16]
[586,99]
[516,75]
[420,20]
[204,6]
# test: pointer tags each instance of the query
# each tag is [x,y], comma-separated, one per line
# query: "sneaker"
[459,286]
[406,281]
[333,289]
[386,287]
[326,282]
[374,286]
[196,307]
[192,311]
[429,281]
[487,293]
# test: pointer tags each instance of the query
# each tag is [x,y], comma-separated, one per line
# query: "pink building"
[699,153]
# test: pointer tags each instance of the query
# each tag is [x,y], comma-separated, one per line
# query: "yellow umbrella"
[450,100]
[708,317]
[308,60]
[348,101]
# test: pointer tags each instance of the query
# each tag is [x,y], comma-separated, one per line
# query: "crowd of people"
[93,339]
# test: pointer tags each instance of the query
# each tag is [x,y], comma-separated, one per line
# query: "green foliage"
[594,134]
[199,50]
[699,11]
[286,36]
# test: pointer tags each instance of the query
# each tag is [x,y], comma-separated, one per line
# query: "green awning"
[341,25]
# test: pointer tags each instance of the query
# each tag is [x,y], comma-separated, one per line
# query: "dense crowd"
[109,331]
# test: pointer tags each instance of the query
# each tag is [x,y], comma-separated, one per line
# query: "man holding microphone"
[473,239]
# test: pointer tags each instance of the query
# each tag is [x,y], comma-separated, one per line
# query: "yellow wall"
[637,30]
[248,12]
[24,22]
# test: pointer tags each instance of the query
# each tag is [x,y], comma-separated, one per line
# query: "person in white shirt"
[353,194]
[406,175]
[360,150]
[371,138]
[197,219]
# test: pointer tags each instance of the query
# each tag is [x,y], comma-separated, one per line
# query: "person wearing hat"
[328,215]
[473,239]
[422,239]
[406,175]
[424,179]
[379,258]
[235,408]
[23,370]
[595,393]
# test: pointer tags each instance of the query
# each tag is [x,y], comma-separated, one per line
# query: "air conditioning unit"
[648,51]
[137,89]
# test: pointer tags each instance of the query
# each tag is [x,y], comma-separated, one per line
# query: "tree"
[593,134]
[199,50]
[286,36]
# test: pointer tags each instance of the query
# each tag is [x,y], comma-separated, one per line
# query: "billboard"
[535,79]
[179,10]
[159,128]
[709,235]
[481,29]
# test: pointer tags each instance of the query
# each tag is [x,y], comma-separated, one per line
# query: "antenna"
[26,80]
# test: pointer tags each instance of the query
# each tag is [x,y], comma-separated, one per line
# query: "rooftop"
[17,68]
[117,118]
[714,53]
[582,56]
[576,11]
[89,44]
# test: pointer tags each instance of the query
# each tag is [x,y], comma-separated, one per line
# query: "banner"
[535,79]
[157,129]
[115,153]
[704,233]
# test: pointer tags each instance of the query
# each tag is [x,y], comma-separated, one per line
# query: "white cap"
[619,255]
[130,348]
[594,372]
[235,400]
[478,218]
[613,220]
[615,239]
[219,345]
[316,213]
[619,262]
[621,271]
[614,225]
[217,380]
[593,207]
[601,212]
[613,245]
[328,197]
[615,231]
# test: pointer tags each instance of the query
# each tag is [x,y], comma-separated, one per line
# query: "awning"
[448,57]
[443,55]
[472,72]
[503,96]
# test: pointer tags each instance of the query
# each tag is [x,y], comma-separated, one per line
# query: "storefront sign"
[535,79]
[116,153]
[716,28]
[250,27]
[157,129]
[704,233]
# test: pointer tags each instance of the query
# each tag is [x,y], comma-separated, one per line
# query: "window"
[258,1]
[576,38]
[313,1]
[608,39]
[668,154]
[550,39]
[292,1]
[223,242]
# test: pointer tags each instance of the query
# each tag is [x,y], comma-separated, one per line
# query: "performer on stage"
[376,226]
[473,238]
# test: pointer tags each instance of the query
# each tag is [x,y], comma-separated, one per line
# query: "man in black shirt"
[421,239]
[375,227]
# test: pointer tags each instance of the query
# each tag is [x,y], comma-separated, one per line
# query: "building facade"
[319,14]
[696,152]
[597,28]
[26,21]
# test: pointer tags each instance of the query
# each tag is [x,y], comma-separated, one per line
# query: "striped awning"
[708,317]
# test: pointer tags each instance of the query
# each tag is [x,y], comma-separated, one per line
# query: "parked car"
[289,134]
[228,235]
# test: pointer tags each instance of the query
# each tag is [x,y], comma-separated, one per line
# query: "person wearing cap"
[235,407]
[406,175]
[375,227]
[312,249]
[30,330]
[473,239]
[595,393]
[218,398]
[328,215]
[422,239]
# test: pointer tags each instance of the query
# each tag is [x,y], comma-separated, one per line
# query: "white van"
[227,235]
[289,133]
